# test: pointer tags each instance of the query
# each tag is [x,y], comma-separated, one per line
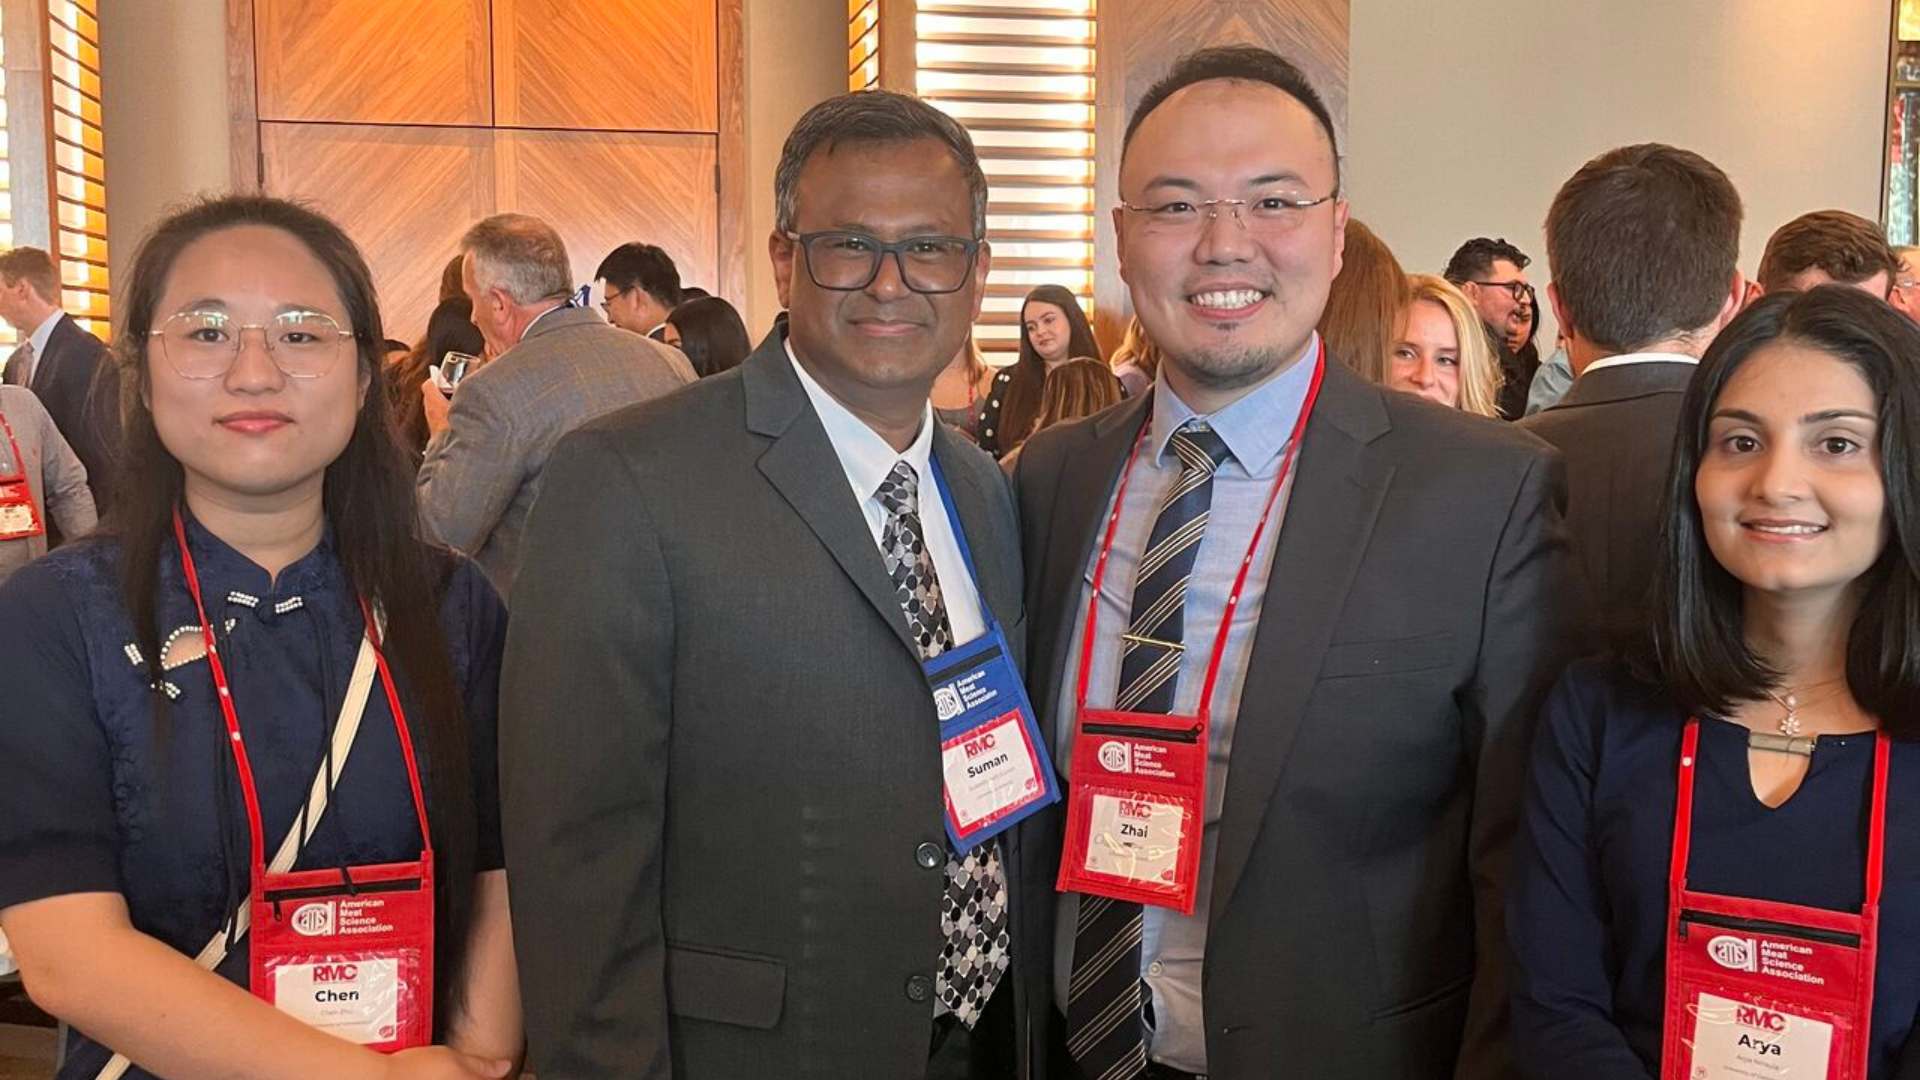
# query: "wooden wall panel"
[404,194]
[627,65]
[1140,39]
[374,61]
[604,189]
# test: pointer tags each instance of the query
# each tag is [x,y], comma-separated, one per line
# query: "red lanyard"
[1239,581]
[19,461]
[225,694]
[1683,815]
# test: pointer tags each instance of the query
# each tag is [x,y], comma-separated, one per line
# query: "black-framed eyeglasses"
[1519,290]
[204,344]
[1265,214]
[847,261]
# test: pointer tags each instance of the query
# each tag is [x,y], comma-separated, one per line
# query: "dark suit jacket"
[1615,429]
[80,386]
[720,763]
[1420,603]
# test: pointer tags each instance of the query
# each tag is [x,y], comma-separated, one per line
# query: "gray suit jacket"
[1422,599]
[1615,429]
[720,765]
[54,475]
[482,473]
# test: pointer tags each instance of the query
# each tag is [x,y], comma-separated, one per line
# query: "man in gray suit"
[1401,615]
[721,756]
[1643,242]
[555,367]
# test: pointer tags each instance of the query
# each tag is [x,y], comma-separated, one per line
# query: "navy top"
[1587,919]
[92,801]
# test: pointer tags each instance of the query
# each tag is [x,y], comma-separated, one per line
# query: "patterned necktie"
[1106,1026]
[973,909]
[18,365]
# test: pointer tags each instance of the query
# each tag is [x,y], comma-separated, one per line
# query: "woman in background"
[710,332]
[1364,304]
[449,329]
[1441,352]
[960,388]
[1053,328]
[1080,387]
[1137,361]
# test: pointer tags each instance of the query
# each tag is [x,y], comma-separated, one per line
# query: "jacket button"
[929,856]
[919,988]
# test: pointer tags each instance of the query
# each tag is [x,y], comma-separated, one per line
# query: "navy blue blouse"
[1587,918]
[94,799]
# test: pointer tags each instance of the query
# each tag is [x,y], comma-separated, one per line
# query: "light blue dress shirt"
[1551,382]
[1255,429]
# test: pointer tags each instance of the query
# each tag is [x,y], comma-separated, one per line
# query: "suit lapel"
[801,465]
[1337,492]
[973,504]
[1081,497]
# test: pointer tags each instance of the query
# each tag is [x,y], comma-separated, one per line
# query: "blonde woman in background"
[1441,352]
[1079,387]
[1364,304]
[1136,361]
[960,388]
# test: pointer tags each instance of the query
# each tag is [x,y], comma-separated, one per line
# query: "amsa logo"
[1734,953]
[313,920]
[946,702]
[1116,756]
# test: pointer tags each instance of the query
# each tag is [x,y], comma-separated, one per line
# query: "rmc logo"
[336,973]
[1760,1019]
[981,745]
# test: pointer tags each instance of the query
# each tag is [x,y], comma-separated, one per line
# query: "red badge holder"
[348,950]
[1137,802]
[19,514]
[1757,988]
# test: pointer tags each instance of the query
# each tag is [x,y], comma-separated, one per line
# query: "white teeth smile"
[1789,530]
[1237,298]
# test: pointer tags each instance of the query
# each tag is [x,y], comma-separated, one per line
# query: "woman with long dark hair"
[1717,832]
[1053,330]
[710,332]
[249,735]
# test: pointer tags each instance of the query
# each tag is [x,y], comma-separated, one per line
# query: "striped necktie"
[1106,1026]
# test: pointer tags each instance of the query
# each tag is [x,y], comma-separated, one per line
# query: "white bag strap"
[351,711]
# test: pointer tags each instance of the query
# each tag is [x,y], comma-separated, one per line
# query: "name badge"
[19,516]
[1136,813]
[992,758]
[356,1000]
[1736,1040]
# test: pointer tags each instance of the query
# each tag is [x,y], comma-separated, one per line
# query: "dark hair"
[866,117]
[452,284]
[1029,373]
[712,334]
[369,498]
[1848,247]
[1079,387]
[692,292]
[1477,256]
[1248,63]
[1644,242]
[36,266]
[449,329]
[644,267]
[1699,648]
[1364,304]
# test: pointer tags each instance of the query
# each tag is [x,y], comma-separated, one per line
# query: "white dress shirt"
[1626,359]
[867,459]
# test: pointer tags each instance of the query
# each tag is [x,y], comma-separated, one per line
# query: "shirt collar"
[1625,359]
[864,455]
[1254,428]
[44,331]
[561,306]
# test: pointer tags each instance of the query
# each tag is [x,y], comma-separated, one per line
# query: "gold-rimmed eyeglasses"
[1265,214]
[204,344]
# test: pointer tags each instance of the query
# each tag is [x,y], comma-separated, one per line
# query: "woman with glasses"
[248,754]
[1703,824]
[1053,330]
[1441,352]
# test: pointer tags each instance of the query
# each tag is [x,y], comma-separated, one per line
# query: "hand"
[444,1063]
[437,405]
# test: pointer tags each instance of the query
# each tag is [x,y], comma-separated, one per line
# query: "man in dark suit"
[1643,243]
[721,779]
[1404,611]
[66,367]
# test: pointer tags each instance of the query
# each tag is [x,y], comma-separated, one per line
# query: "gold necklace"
[1790,723]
